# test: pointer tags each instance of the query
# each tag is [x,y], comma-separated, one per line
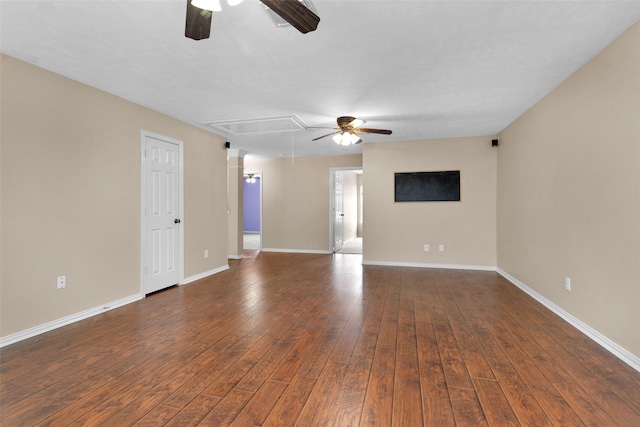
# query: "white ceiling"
[425,69]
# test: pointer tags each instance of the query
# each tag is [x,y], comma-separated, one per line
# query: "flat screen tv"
[427,186]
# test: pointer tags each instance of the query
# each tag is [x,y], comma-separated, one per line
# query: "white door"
[338,208]
[162,222]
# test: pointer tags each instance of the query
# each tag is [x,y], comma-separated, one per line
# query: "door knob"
[176,221]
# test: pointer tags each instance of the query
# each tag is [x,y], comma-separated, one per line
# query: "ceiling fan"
[347,131]
[199,13]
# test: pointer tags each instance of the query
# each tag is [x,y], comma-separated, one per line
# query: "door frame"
[258,174]
[332,191]
[143,221]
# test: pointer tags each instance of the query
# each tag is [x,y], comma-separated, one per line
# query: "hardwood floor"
[319,340]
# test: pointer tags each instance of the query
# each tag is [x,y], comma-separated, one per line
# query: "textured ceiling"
[425,69]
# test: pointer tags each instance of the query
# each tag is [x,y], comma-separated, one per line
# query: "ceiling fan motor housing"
[344,121]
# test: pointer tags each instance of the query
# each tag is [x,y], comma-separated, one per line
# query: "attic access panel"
[427,186]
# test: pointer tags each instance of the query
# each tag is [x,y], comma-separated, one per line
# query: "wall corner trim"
[67,320]
[609,345]
[204,274]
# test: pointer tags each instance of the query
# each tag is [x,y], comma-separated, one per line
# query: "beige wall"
[295,200]
[397,232]
[71,196]
[569,194]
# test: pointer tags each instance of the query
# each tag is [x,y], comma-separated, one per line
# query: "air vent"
[258,126]
[279,22]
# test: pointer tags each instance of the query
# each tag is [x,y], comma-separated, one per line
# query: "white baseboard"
[423,265]
[55,324]
[614,348]
[297,251]
[204,274]
[240,256]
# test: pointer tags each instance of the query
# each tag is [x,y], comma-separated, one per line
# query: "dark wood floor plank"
[294,359]
[240,366]
[453,363]
[135,399]
[194,411]
[260,372]
[288,408]
[349,402]
[346,344]
[521,401]
[158,416]
[312,339]
[227,410]
[283,361]
[432,379]
[437,412]
[14,394]
[407,399]
[43,403]
[467,410]
[494,403]
[318,407]
[378,406]
[368,338]
[259,407]
[233,348]
[314,364]
[474,358]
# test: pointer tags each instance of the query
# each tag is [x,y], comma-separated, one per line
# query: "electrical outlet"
[441,248]
[567,283]
[206,253]
[62,282]
[426,248]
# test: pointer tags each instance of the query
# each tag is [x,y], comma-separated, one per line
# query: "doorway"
[345,225]
[252,211]
[162,242]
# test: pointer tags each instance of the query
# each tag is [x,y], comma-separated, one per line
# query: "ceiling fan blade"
[356,123]
[382,131]
[198,25]
[324,136]
[295,13]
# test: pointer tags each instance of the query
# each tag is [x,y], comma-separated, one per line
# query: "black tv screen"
[427,186]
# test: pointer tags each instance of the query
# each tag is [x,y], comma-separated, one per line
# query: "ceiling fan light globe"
[353,137]
[337,138]
[212,5]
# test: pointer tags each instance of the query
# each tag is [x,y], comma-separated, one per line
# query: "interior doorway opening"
[346,210]
[252,211]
